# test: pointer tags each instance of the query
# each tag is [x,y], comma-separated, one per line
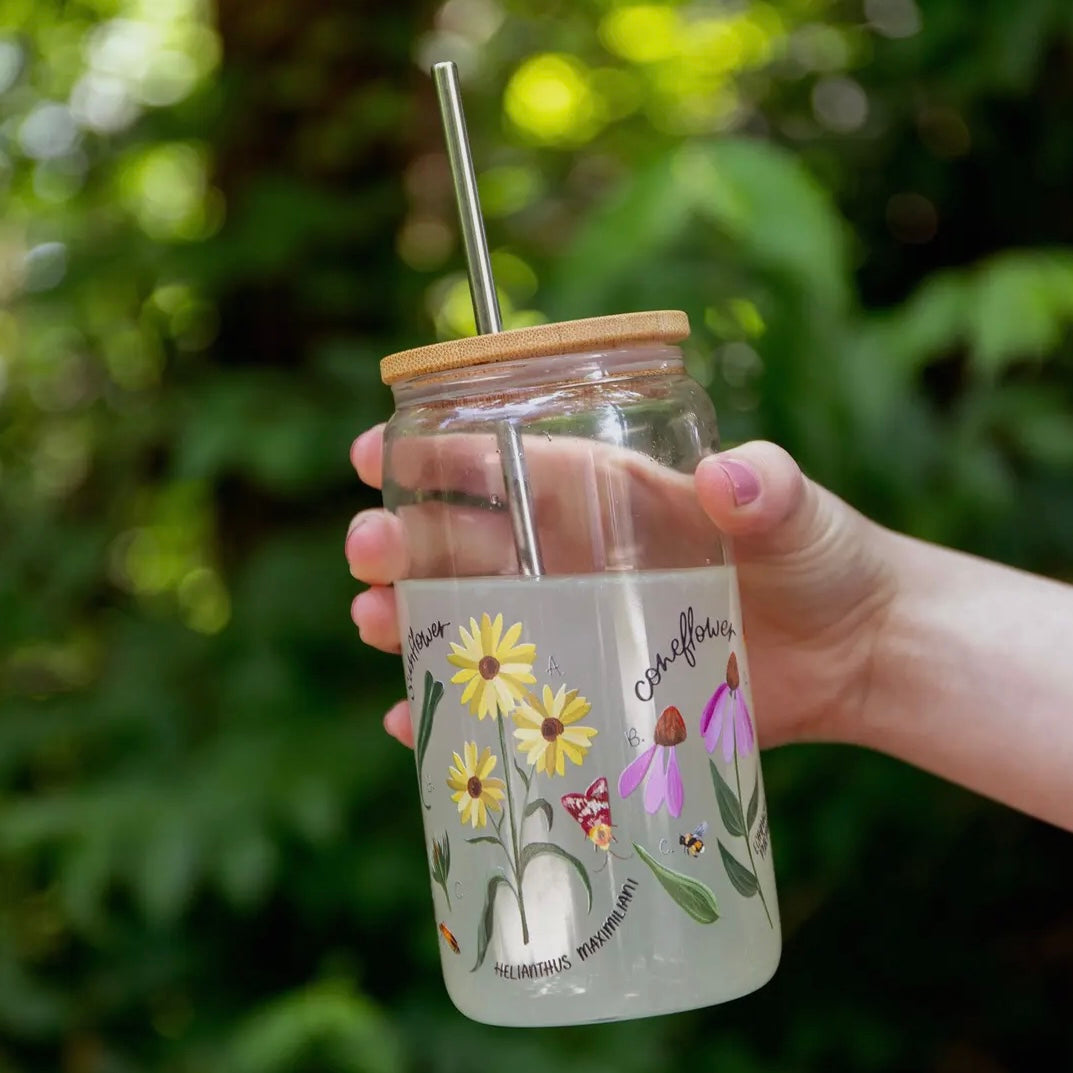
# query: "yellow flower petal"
[485,639]
[525,718]
[487,763]
[470,690]
[520,662]
[510,639]
[568,748]
[504,695]
[580,736]
[574,709]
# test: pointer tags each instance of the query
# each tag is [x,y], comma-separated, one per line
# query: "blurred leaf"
[325,1024]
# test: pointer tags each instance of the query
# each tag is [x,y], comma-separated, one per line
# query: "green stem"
[748,840]
[443,885]
[528,788]
[513,828]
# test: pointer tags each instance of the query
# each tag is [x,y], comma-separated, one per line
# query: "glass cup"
[593,804]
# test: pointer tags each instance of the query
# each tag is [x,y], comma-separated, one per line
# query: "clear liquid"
[621,641]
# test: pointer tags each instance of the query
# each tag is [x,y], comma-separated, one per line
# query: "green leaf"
[433,696]
[692,895]
[754,804]
[538,849]
[487,921]
[484,838]
[543,805]
[743,880]
[523,773]
[729,805]
[326,1017]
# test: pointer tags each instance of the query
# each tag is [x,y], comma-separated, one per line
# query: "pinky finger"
[397,723]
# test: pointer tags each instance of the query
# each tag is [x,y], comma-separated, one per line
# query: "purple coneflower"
[664,778]
[727,716]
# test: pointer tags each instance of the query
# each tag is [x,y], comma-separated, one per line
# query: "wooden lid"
[565,337]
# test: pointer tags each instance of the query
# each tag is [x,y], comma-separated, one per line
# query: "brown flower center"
[733,679]
[670,727]
[551,728]
[488,668]
[473,787]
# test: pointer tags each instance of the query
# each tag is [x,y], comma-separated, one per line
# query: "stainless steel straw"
[482,288]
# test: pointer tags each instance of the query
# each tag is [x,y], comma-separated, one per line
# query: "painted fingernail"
[743,480]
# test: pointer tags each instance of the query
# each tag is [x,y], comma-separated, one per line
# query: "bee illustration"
[592,810]
[694,841]
[449,938]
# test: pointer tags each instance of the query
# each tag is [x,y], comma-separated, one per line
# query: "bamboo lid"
[564,337]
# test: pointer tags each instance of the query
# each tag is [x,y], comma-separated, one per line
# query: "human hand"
[812,572]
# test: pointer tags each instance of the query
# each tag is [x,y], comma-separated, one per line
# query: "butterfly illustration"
[592,810]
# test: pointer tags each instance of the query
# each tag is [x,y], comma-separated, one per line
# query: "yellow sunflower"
[495,668]
[546,731]
[475,793]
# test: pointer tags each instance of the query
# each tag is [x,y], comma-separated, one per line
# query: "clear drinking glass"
[594,809]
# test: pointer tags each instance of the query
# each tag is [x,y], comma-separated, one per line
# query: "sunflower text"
[417,641]
[610,925]
[691,633]
[538,968]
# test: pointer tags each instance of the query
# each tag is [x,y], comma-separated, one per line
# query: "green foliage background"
[215,221]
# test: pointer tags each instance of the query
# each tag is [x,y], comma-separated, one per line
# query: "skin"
[855,634]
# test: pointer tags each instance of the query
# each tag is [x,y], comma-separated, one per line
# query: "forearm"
[972,678]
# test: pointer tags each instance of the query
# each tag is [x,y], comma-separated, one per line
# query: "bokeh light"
[550,99]
[166,188]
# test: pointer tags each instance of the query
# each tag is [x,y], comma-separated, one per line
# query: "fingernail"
[356,523]
[743,480]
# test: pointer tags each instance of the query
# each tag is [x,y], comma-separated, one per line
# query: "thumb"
[757,494]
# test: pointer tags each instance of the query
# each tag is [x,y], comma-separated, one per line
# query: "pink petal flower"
[635,772]
[743,727]
[656,787]
[675,790]
[728,729]
[711,722]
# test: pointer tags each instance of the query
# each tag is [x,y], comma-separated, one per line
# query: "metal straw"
[482,289]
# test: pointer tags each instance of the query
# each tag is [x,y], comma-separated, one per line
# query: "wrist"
[889,674]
